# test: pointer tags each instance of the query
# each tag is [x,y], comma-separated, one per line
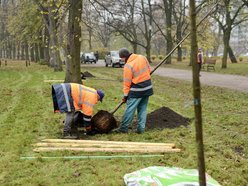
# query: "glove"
[124,99]
[92,132]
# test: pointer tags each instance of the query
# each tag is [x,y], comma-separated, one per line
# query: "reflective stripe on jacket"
[84,98]
[137,79]
[62,100]
[68,97]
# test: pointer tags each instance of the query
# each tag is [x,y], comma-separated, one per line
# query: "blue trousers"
[132,104]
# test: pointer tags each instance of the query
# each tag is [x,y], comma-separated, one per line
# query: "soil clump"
[86,74]
[164,117]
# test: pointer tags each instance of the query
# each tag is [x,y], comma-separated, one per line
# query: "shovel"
[105,121]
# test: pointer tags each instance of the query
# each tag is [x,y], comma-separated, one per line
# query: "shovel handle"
[117,107]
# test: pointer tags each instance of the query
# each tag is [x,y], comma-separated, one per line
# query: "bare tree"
[228,17]
[50,13]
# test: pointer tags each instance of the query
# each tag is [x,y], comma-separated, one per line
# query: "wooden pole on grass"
[93,149]
[197,96]
[107,142]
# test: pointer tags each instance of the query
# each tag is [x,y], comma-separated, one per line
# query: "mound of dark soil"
[86,74]
[165,118]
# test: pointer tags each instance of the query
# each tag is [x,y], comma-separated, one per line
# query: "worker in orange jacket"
[77,101]
[137,88]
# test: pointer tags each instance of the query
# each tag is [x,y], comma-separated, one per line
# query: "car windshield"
[90,55]
[115,54]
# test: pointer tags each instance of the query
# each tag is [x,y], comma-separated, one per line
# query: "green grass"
[239,68]
[26,117]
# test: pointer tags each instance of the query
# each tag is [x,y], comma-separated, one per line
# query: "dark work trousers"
[199,67]
[73,120]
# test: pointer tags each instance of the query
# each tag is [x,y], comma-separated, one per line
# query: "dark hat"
[124,53]
[100,94]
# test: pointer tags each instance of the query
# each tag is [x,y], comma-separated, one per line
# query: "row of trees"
[42,30]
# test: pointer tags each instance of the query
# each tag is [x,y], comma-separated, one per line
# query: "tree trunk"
[22,51]
[26,51]
[231,55]
[169,43]
[14,50]
[226,38]
[179,54]
[73,64]
[90,38]
[18,51]
[55,60]
[32,53]
[36,50]
[135,47]
[197,96]
[41,51]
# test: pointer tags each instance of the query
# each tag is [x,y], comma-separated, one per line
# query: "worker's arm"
[127,79]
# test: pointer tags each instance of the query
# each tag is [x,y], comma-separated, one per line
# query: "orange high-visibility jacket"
[84,98]
[137,79]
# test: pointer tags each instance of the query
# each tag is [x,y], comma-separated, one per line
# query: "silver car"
[112,58]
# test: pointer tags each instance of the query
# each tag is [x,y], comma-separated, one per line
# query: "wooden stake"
[107,142]
[137,150]
[95,145]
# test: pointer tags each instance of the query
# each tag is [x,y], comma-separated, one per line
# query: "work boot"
[118,130]
[68,135]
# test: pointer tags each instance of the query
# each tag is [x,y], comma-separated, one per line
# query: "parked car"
[88,57]
[112,58]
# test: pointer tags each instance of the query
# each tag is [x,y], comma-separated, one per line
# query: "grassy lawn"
[26,117]
[240,68]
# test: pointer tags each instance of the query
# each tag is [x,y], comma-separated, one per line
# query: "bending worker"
[77,101]
[137,89]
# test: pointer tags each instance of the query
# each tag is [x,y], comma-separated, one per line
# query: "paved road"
[234,82]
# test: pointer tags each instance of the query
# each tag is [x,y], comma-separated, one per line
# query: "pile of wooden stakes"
[103,146]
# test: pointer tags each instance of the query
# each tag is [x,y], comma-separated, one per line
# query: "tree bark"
[73,64]
[55,60]
[168,15]
[26,51]
[32,53]
[231,55]
[22,51]
[197,96]
[226,38]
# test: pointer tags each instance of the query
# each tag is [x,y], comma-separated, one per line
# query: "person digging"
[77,101]
[137,88]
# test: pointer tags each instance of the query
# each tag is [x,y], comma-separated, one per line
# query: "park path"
[234,82]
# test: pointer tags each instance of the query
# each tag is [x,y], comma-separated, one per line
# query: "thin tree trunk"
[26,51]
[41,51]
[14,50]
[22,51]
[36,50]
[18,51]
[32,53]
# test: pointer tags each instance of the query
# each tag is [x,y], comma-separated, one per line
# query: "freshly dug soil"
[165,118]
[86,74]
